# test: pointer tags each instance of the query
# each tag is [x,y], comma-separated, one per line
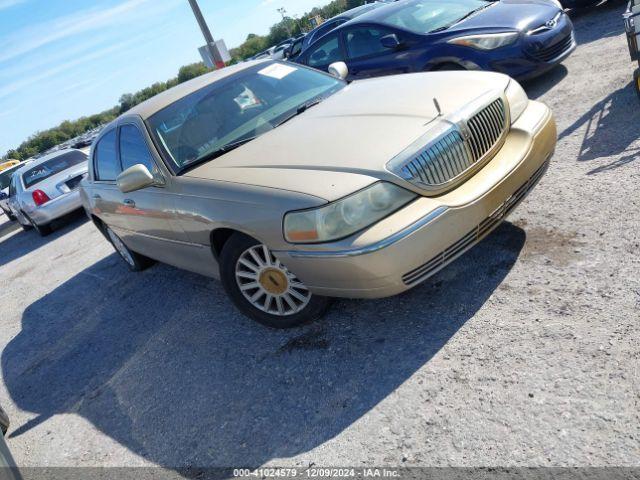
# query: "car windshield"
[424,16]
[42,171]
[5,176]
[235,110]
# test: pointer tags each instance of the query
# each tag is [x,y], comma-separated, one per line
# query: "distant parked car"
[47,189]
[578,3]
[521,38]
[8,164]
[291,185]
[295,47]
[5,180]
[329,25]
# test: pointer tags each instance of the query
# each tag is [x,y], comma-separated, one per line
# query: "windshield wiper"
[464,17]
[300,110]
[220,151]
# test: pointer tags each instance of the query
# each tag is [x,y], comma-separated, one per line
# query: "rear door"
[368,57]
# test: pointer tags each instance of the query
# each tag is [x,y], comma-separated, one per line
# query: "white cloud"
[4,4]
[45,75]
[31,38]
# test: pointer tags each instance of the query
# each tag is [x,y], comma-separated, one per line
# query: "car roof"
[358,11]
[166,98]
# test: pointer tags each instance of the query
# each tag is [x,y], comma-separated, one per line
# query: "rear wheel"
[43,230]
[134,261]
[263,288]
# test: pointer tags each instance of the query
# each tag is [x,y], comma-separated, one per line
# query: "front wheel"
[263,288]
[134,261]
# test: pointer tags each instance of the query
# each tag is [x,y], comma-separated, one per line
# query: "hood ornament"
[437,105]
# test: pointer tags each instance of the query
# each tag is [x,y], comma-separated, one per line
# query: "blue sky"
[61,59]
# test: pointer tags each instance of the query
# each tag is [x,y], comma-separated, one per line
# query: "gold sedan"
[292,186]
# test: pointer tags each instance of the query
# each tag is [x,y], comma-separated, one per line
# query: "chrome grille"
[451,154]
[443,160]
[550,53]
[486,128]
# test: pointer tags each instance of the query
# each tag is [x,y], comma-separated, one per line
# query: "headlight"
[517,99]
[347,216]
[489,41]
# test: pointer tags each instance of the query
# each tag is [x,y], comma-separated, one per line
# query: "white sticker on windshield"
[277,70]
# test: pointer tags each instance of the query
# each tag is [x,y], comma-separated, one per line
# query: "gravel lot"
[523,353]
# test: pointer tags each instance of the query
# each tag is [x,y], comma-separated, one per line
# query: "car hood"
[344,143]
[518,15]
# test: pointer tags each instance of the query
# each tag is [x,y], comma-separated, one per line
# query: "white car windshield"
[211,121]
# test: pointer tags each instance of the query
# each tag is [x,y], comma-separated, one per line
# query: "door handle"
[96,196]
[129,203]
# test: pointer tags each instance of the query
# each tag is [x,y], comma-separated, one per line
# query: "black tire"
[28,226]
[43,230]
[233,249]
[448,67]
[4,422]
[636,81]
[134,261]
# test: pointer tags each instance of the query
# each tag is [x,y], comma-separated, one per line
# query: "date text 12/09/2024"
[317,472]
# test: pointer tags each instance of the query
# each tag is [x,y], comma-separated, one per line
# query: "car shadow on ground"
[13,247]
[538,86]
[597,22]
[611,130]
[162,363]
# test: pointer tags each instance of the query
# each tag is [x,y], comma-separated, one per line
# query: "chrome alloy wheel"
[268,285]
[121,248]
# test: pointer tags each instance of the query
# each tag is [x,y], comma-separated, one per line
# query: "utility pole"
[206,33]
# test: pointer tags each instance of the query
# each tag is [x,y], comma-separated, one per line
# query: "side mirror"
[391,41]
[339,70]
[135,178]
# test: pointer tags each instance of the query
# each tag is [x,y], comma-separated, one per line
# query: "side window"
[327,52]
[106,163]
[296,48]
[365,41]
[133,149]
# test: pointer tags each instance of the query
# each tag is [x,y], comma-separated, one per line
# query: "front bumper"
[413,244]
[56,208]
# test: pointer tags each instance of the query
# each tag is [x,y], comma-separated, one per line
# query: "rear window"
[52,167]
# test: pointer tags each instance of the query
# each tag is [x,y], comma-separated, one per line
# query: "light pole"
[206,33]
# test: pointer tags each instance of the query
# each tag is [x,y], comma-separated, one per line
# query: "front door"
[368,57]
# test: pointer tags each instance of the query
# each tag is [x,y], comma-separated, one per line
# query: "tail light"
[40,198]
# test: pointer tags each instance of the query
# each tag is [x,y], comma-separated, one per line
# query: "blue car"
[521,38]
